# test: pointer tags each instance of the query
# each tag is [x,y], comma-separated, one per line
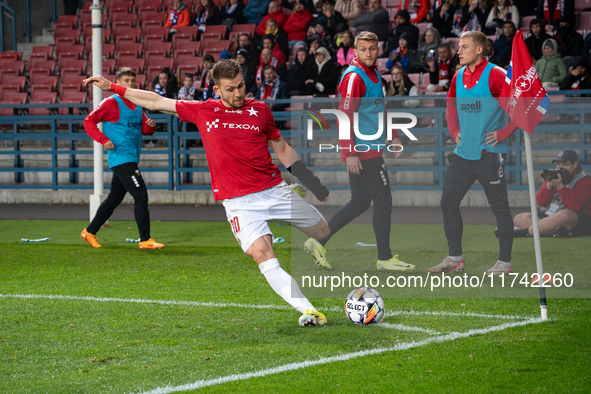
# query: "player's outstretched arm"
[291,160]
[145,99]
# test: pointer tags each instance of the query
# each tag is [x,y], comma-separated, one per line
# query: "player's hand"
[151,123]
[397,153]
[109,145]
[100,81]
[491,138]
[354,165]
[458,139]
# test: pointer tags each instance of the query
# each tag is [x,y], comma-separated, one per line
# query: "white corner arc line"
[238,305]
[344,357]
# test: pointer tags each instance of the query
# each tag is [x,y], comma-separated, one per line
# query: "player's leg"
[105,210]
[132,179]
[490,170]
[456,183]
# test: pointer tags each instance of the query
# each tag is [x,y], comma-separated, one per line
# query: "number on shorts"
[235,224]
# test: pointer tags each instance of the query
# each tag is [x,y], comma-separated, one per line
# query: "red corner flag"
[523,98]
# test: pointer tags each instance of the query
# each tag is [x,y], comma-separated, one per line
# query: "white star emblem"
[252,111]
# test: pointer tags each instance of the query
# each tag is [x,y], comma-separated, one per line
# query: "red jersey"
[235,141]
[496,81]
[108,111]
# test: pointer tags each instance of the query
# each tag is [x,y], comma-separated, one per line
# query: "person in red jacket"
[565,204]
[418,9]
[275,12]
[297,24]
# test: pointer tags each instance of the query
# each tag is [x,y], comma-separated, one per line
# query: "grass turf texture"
[75,345]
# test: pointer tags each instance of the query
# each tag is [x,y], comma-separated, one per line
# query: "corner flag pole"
[97,69]
[536,229]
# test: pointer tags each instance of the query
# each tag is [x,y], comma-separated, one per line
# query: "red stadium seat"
[42,98]
[71,19]
[190,31]
[135,64]
[128,32]
[215,52]
[585,21]
[45,81]
[218,44]
[164,47]
[582,5]
[39,72]
[121,5]
[11,55]
[40,88]
[147,25]
[12,98]
[249,29]
[123,17]
[47,49]
[140,81]
[151,55]
[135,49]
[70,51]
[5,90]
[145,16]
[109,66]
[69,97]
[216,29]
[74,66]
[14,82]
[180,41]
[73,33]
[36,57]
[108,51]
[14,66]
[156,30]
[86,20]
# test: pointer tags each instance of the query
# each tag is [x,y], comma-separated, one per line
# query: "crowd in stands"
[300,47]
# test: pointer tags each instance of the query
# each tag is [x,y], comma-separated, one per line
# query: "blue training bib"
[125,134]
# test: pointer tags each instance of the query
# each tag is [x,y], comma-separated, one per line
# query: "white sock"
[284,285]
[456,258]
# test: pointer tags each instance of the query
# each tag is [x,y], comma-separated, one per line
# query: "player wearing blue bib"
[123,126]
[480,128]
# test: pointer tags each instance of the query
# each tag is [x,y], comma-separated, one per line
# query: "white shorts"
[248,215]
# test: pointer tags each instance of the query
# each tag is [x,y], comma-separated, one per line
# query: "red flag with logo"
[523,98]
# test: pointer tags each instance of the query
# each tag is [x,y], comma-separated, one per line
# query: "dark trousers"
[126,178]
[459,177]
[372,184]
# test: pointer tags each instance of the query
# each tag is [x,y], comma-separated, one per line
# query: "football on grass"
[299,189]
[364,305]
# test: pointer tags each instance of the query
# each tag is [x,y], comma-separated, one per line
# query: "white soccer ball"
[364,305]
[299,189]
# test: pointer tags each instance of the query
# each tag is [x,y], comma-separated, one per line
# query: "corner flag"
[523,98]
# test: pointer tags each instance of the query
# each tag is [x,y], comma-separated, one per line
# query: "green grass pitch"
[198,316]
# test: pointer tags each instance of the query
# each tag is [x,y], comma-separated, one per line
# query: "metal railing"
[9,12]
[64,134]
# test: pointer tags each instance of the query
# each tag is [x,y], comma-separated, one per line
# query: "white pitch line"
[237,305]
[344,357]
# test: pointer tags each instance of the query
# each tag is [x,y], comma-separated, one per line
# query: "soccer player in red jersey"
[123,126]
[235,132]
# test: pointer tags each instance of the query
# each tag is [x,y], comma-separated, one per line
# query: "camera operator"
[564,200]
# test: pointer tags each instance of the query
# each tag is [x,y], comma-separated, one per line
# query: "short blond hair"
[478,37]
[366,36]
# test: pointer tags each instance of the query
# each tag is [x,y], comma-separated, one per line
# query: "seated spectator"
[502,11]
[552,10]
[255,10]
[333,18]
[266,59]
[187,92]
[504,44]
[537,37]
[247,67]
[401,85]
[299,72]
[579,78]
[324,78]
[276,13]
[430,39]
[349,9]
[297,24]
[441,70]
[565,204]
[402,25]
[232,13]
[169,85]
[244,42]
[346,53]
[474,17]
[314,42]
[491,56]
[550,67]
[207,14]
[319,28]
[417,9]
[570,42]
[447,19]
[399,56]
[208,63]
[178,16]
[273,88]
[278,36]
[269,43]
[375,20]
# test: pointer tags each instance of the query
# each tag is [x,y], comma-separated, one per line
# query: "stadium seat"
[187,31]
[72,82]
[454,41]
[156,31]
[78,66]
[72,33]
[49,81]
[147,25]
[136,64]
[38,72]
[216,29]
[108,51]
[11,56]
[140,81]
[135,49]
[423,26]
[17,83]
[525,23]
[106,36]
[164,47]
[71,19]
[86,20]
[582,5]
[206,37]
[151,55]
[34,58]
[15,99]
[178,42]
[13,66]
[415,78]
[70,51]
[184,58]
[191,69]
[152,16]
[46,49]
[42,98]
[121,5]
[381,65]
[585,21]
[249,29]
[69,97]
[215,52]
[5,90]
[218,44]
[109,66]
[193,48]
[123,17]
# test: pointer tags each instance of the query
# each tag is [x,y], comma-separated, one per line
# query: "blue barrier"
[12,15]
[179,157]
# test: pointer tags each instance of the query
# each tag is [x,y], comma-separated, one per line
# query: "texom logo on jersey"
[240,126]
[133,125]
[472,108]
[215,124]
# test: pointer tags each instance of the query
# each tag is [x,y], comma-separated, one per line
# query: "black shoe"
[563,232]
